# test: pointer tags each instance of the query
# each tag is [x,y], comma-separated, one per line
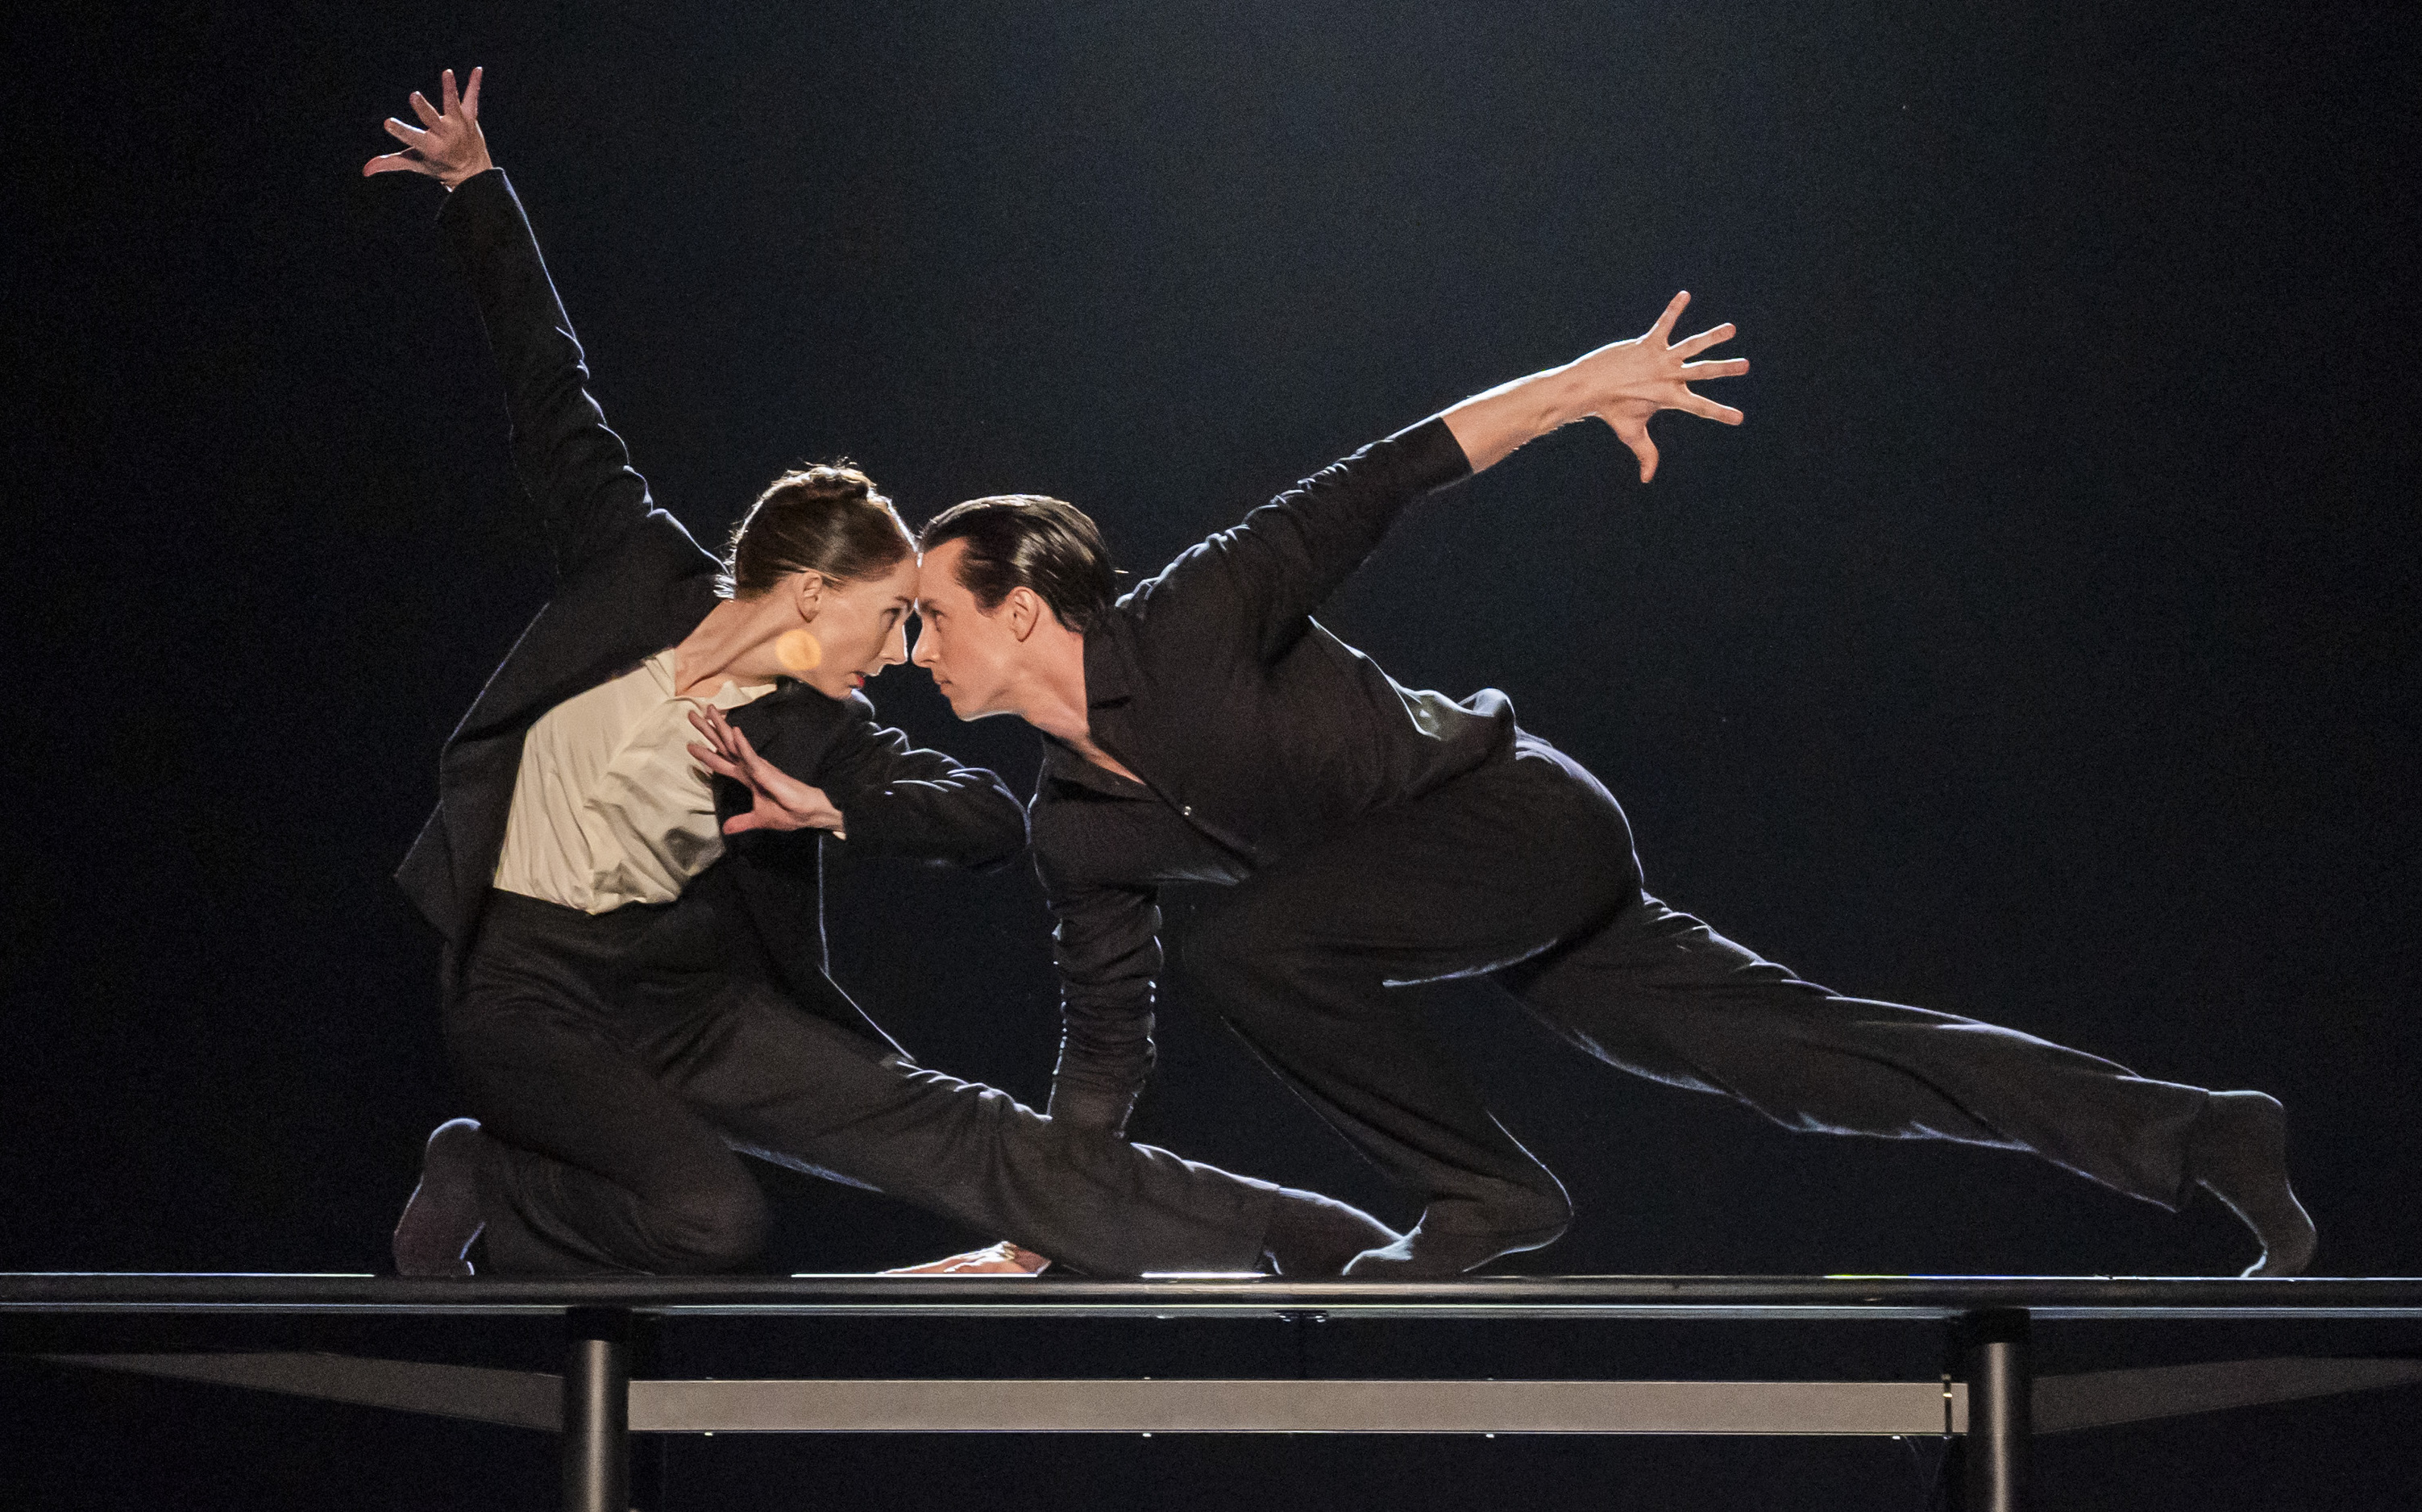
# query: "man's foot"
[1525,1221]
[2237,1152]
[1312,1236]
[443,1217]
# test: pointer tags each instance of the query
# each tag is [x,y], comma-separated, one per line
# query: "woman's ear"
[809,588]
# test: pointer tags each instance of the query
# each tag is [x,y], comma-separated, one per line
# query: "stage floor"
[2044,1297]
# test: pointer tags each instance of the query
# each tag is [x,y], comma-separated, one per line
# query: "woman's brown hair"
[826,518]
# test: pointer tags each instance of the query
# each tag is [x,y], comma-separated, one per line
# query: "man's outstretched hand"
[1627,381]
[451,150]
[1622,384]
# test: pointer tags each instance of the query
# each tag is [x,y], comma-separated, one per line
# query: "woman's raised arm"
[574,468]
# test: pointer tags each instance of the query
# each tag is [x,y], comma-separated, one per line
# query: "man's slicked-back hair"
[1027,541]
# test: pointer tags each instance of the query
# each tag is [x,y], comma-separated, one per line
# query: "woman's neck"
[734,644]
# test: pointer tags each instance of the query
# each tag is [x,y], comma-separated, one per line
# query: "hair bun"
[830,481]
[826,518]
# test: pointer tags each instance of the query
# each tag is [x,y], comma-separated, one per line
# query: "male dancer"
[1205,728]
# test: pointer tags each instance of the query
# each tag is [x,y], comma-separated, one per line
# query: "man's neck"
[1055,702]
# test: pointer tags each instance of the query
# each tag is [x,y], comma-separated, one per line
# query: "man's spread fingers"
[1704,340]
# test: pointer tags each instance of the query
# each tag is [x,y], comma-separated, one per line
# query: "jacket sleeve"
[574,469]
[1106,942]
[1262,578]
[897,800]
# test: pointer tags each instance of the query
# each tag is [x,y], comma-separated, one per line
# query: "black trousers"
[1524,871]
[621,1073]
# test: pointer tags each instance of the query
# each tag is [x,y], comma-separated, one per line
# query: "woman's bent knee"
[712,1229]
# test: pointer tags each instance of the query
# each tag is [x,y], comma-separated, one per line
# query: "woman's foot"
[2237,1152]
[443,1217]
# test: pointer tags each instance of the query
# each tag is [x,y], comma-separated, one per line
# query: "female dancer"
[634,979]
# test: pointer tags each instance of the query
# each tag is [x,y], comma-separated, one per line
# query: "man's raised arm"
[1265,575]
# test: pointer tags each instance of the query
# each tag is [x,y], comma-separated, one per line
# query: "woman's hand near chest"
[779,800]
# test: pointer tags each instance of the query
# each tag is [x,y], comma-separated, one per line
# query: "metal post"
[649,1450]
[1997,1358]
[597,1411]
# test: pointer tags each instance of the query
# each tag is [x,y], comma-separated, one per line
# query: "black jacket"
[631,581]
[1256,732]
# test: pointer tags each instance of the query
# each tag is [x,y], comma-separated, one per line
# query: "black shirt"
[1256,732]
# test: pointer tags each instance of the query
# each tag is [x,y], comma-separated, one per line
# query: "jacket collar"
[1108,674]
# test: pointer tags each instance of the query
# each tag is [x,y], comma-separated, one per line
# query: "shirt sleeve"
[1265,576]
[897,800]
[1106,942]
[574,468]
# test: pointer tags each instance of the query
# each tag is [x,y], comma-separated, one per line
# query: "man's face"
[971,655]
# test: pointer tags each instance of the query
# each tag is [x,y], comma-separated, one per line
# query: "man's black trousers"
[620,1075]
[1524,871]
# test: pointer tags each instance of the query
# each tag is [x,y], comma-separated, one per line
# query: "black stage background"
[2042,648]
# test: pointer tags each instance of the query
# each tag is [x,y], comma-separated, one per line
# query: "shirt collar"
[1061,764]
[731,695]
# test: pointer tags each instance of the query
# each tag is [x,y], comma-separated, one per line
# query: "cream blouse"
[609,807]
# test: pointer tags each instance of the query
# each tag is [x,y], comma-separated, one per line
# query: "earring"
[798,650]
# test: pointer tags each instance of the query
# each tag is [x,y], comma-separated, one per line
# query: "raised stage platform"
[303,1334]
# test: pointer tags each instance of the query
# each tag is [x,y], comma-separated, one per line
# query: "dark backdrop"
[2042,648]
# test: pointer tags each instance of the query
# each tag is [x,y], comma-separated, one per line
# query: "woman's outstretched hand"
[782,801]
[1623,384]
[451,150]
[1003,1259]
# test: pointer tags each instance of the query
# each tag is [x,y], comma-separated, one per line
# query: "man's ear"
[1025,610]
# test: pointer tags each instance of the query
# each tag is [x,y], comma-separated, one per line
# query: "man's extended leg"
[1658,993]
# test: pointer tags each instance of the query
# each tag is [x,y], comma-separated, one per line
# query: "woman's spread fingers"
[471,96]
[446,88]
[409,135]
[1699,404]
[1733,368]
[421,107]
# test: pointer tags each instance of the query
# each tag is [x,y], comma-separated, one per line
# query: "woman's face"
[862,627]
